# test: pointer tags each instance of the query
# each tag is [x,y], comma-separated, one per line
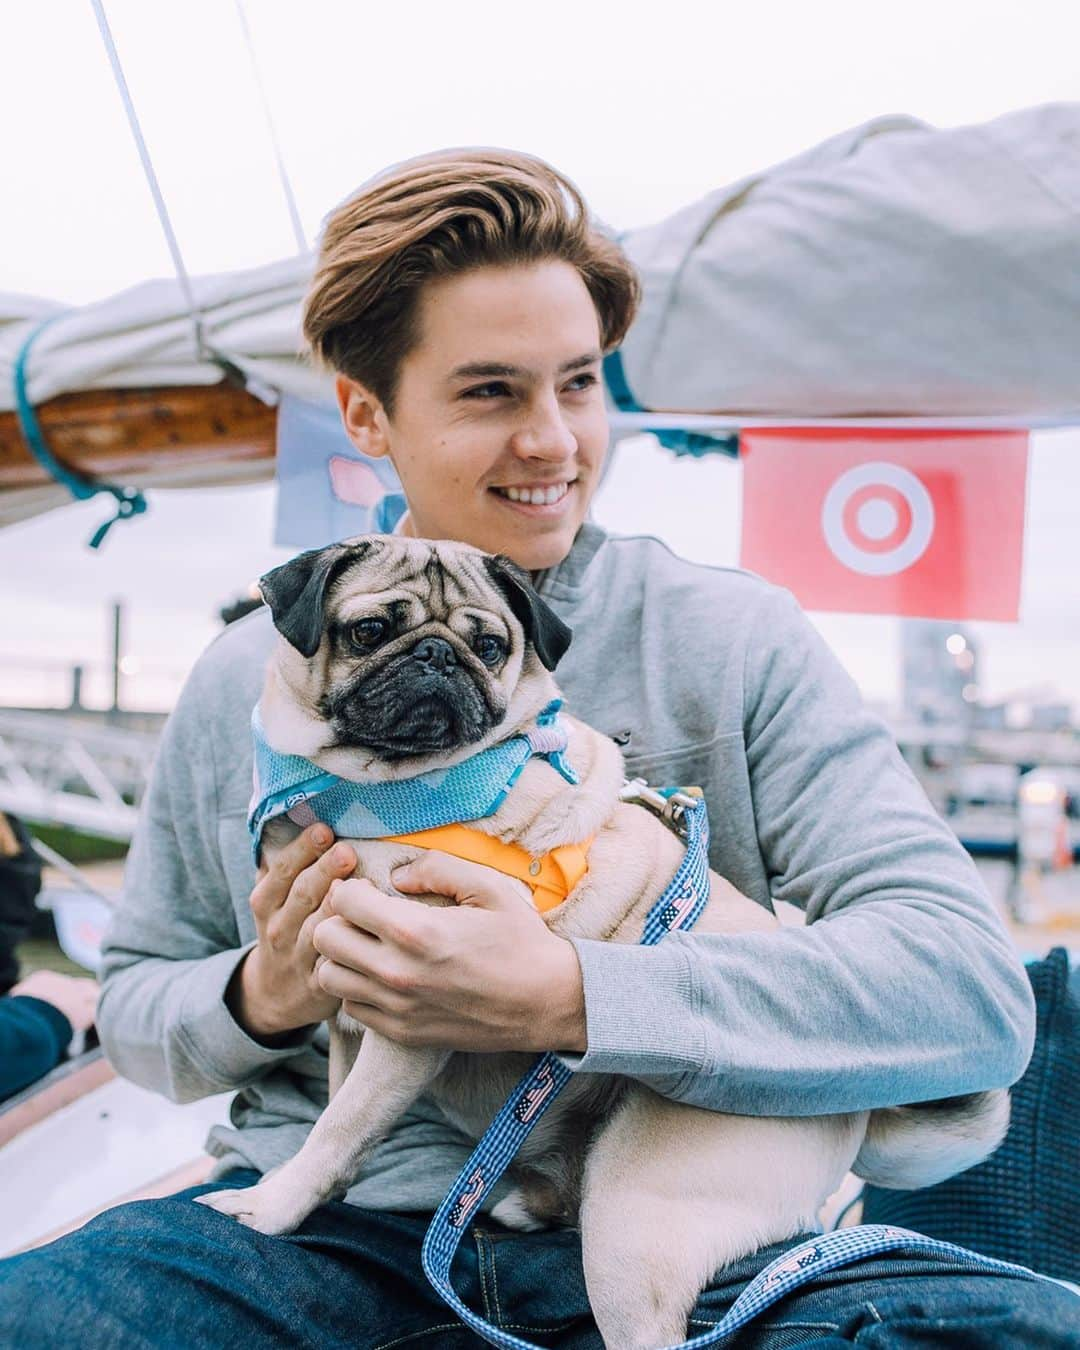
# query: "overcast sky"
[647,106]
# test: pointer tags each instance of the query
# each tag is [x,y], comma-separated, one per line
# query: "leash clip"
[670,804]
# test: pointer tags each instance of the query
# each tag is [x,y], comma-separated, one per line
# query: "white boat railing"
[67,772]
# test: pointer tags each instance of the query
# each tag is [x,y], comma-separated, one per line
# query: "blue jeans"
[169,1273]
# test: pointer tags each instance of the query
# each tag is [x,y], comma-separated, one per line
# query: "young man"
[465,302]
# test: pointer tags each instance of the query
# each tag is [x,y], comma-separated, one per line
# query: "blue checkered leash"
[679,907]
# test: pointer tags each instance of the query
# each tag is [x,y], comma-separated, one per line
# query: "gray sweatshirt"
[902,987]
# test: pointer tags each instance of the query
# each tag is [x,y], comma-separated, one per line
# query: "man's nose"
[544,433]
[436,654]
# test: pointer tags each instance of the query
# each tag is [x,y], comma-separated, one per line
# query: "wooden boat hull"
[189,436]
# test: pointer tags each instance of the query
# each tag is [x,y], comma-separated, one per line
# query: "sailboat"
[894,276]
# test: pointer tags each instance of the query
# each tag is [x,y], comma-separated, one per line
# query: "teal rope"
[129,501]
[693,443]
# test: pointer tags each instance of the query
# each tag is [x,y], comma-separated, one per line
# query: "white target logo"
[878,519]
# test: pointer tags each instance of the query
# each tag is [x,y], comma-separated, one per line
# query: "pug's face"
[412,650]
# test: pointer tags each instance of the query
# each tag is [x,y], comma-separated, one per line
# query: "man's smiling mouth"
[545,495]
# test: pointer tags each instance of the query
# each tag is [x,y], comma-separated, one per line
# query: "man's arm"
[904,985]
[173,947]
[33,1038]
[37,1023]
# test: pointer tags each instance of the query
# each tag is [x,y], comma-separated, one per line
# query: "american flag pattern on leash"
[533,1098]
[791,1265]
[467,1199]
[676,914]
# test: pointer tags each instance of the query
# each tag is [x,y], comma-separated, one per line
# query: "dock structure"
[69,771]
[1023,746]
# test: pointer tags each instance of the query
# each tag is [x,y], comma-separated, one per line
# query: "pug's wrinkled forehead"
[390,584]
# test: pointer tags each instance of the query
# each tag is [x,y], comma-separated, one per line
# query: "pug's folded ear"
[296,592]
[548,634]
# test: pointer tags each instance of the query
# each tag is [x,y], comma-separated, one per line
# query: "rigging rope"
[151,178]
[130,501]
[283,175]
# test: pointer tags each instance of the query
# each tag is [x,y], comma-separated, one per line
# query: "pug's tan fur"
[664,1194]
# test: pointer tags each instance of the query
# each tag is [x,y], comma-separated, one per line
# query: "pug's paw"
[512,1212]
[265,1207]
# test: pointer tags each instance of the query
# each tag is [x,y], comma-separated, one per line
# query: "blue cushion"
[1021,1204]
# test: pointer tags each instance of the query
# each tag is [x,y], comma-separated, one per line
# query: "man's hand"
[484,975]
[274,990]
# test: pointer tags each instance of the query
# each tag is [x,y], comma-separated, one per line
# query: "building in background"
[940,673]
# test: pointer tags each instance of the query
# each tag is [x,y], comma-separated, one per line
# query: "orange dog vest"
[550,878]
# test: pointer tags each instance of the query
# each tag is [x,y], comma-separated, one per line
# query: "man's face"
[499,403]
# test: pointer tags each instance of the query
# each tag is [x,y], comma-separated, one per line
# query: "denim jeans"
[170,1273]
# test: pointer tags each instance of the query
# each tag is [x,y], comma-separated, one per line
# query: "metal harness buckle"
[670,806]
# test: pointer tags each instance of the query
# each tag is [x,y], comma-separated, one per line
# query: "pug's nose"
[436,654]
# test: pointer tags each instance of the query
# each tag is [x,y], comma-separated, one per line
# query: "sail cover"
[145,336]
[895,270]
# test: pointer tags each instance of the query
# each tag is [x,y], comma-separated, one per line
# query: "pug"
[399,656]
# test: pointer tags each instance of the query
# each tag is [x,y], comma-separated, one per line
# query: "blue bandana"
[291,785]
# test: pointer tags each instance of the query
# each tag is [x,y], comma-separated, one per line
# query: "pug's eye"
[490,649]
[368,633]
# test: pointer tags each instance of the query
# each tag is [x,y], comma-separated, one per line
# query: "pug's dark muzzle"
[420,702]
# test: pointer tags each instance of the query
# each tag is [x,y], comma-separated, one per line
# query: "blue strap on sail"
[694,443]
[678,908]
[129,501]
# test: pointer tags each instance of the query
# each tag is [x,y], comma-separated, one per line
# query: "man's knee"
[991,1311]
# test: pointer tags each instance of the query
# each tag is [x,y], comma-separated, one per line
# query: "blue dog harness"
[290,785]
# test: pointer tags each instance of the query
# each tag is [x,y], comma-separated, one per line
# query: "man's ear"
[548,634]
[362,416]
[296,592]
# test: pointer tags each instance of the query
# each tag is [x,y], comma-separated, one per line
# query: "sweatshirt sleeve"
[33,1038]
[902,987]
[173,944]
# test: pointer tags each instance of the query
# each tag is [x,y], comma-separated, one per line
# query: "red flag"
[883,521]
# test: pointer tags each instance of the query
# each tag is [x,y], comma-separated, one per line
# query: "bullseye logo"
[878,519]
[886,520]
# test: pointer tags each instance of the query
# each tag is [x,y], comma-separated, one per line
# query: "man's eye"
[495,389]
[366,633]
[581,382]
[491,650]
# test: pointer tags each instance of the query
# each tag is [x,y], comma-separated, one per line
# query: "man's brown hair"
[438,216]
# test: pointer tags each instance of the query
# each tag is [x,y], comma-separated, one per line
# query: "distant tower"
[940,672]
